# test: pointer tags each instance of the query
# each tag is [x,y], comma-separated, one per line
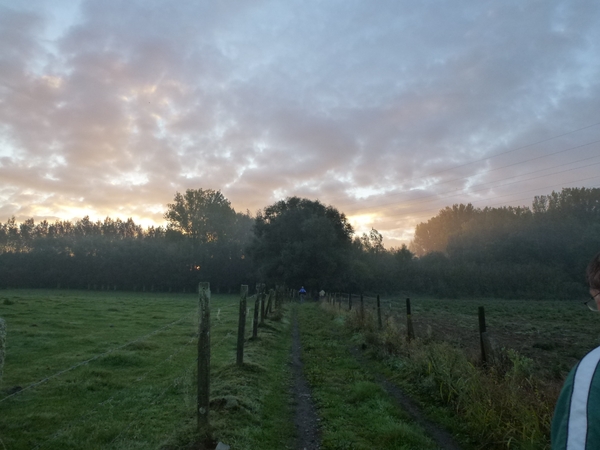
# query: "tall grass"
[498,407]
[355,411]
[2,346]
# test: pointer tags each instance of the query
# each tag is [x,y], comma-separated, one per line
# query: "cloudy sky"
[387,110]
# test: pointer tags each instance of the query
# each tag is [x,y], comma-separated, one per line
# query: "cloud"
[389,111]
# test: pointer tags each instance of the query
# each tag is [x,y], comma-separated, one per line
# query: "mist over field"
[511,252]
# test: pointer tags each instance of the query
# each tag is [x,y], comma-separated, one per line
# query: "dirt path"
[306,419]
[442,438]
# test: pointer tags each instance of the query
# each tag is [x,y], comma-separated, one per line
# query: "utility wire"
[79,364]
[500,154]
[391,205]
[516,149]
[438,197]
[504,195]
[107,401]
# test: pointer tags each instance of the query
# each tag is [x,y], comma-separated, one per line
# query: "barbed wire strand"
[155,368]
[82,363]
[142,377]
[136,418]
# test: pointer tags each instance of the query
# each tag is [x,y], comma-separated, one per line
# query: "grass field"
[89,369]
[118,370]
[507,405]
[356,413]
[554,334]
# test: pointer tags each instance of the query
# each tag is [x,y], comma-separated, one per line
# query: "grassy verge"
[250,405]
[502,407]
[118,370]
[356,413]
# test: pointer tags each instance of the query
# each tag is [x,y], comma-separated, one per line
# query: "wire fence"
[87,361]
[151,379]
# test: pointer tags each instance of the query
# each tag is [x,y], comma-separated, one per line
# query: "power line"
[498,168]
[391,205]
[437,197]
[518,148]
[500,154]
[506,195]
[81,363]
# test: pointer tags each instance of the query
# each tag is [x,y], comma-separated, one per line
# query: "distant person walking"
[576,421]
[302,293]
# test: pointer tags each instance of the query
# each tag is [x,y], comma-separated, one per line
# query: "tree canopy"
[510,252]
[203,215]
[302,242]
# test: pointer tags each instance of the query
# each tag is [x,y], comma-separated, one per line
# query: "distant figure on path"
[302,293]
[576,421]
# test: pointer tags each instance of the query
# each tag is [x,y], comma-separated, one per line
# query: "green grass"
[555,335]
[355,411]
[507,405]
[138,386]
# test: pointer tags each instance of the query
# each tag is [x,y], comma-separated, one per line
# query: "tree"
[302,242]
[203,215]
[434,235]
[373,242]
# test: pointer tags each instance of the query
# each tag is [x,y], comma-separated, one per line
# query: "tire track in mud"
[441,437]
[306,419]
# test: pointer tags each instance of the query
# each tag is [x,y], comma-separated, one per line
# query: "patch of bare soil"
[306,419]
[442,438]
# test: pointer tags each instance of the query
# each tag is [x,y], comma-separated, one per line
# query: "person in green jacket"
[576,421]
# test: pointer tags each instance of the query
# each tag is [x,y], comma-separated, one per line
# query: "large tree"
[205,215]
[302,242]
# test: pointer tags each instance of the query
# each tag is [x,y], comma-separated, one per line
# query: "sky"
[387,110]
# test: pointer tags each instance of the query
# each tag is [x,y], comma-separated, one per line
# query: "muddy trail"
[443,439]
[306,418]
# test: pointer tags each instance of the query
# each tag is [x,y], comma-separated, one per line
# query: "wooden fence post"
[259,290]
[241,325]
[204,358]
[277,295]
[409,325]
[379,313]
[349,302]
[270,301]
[2,345]
[487,350]
[263,297]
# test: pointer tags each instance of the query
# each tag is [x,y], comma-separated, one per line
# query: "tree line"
[511,252]
[116,254]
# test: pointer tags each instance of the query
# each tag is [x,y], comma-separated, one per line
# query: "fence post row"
[263,297]
[241,325]
[278,296]
[204,357]
[275,298]
[259,290]
[270,301]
